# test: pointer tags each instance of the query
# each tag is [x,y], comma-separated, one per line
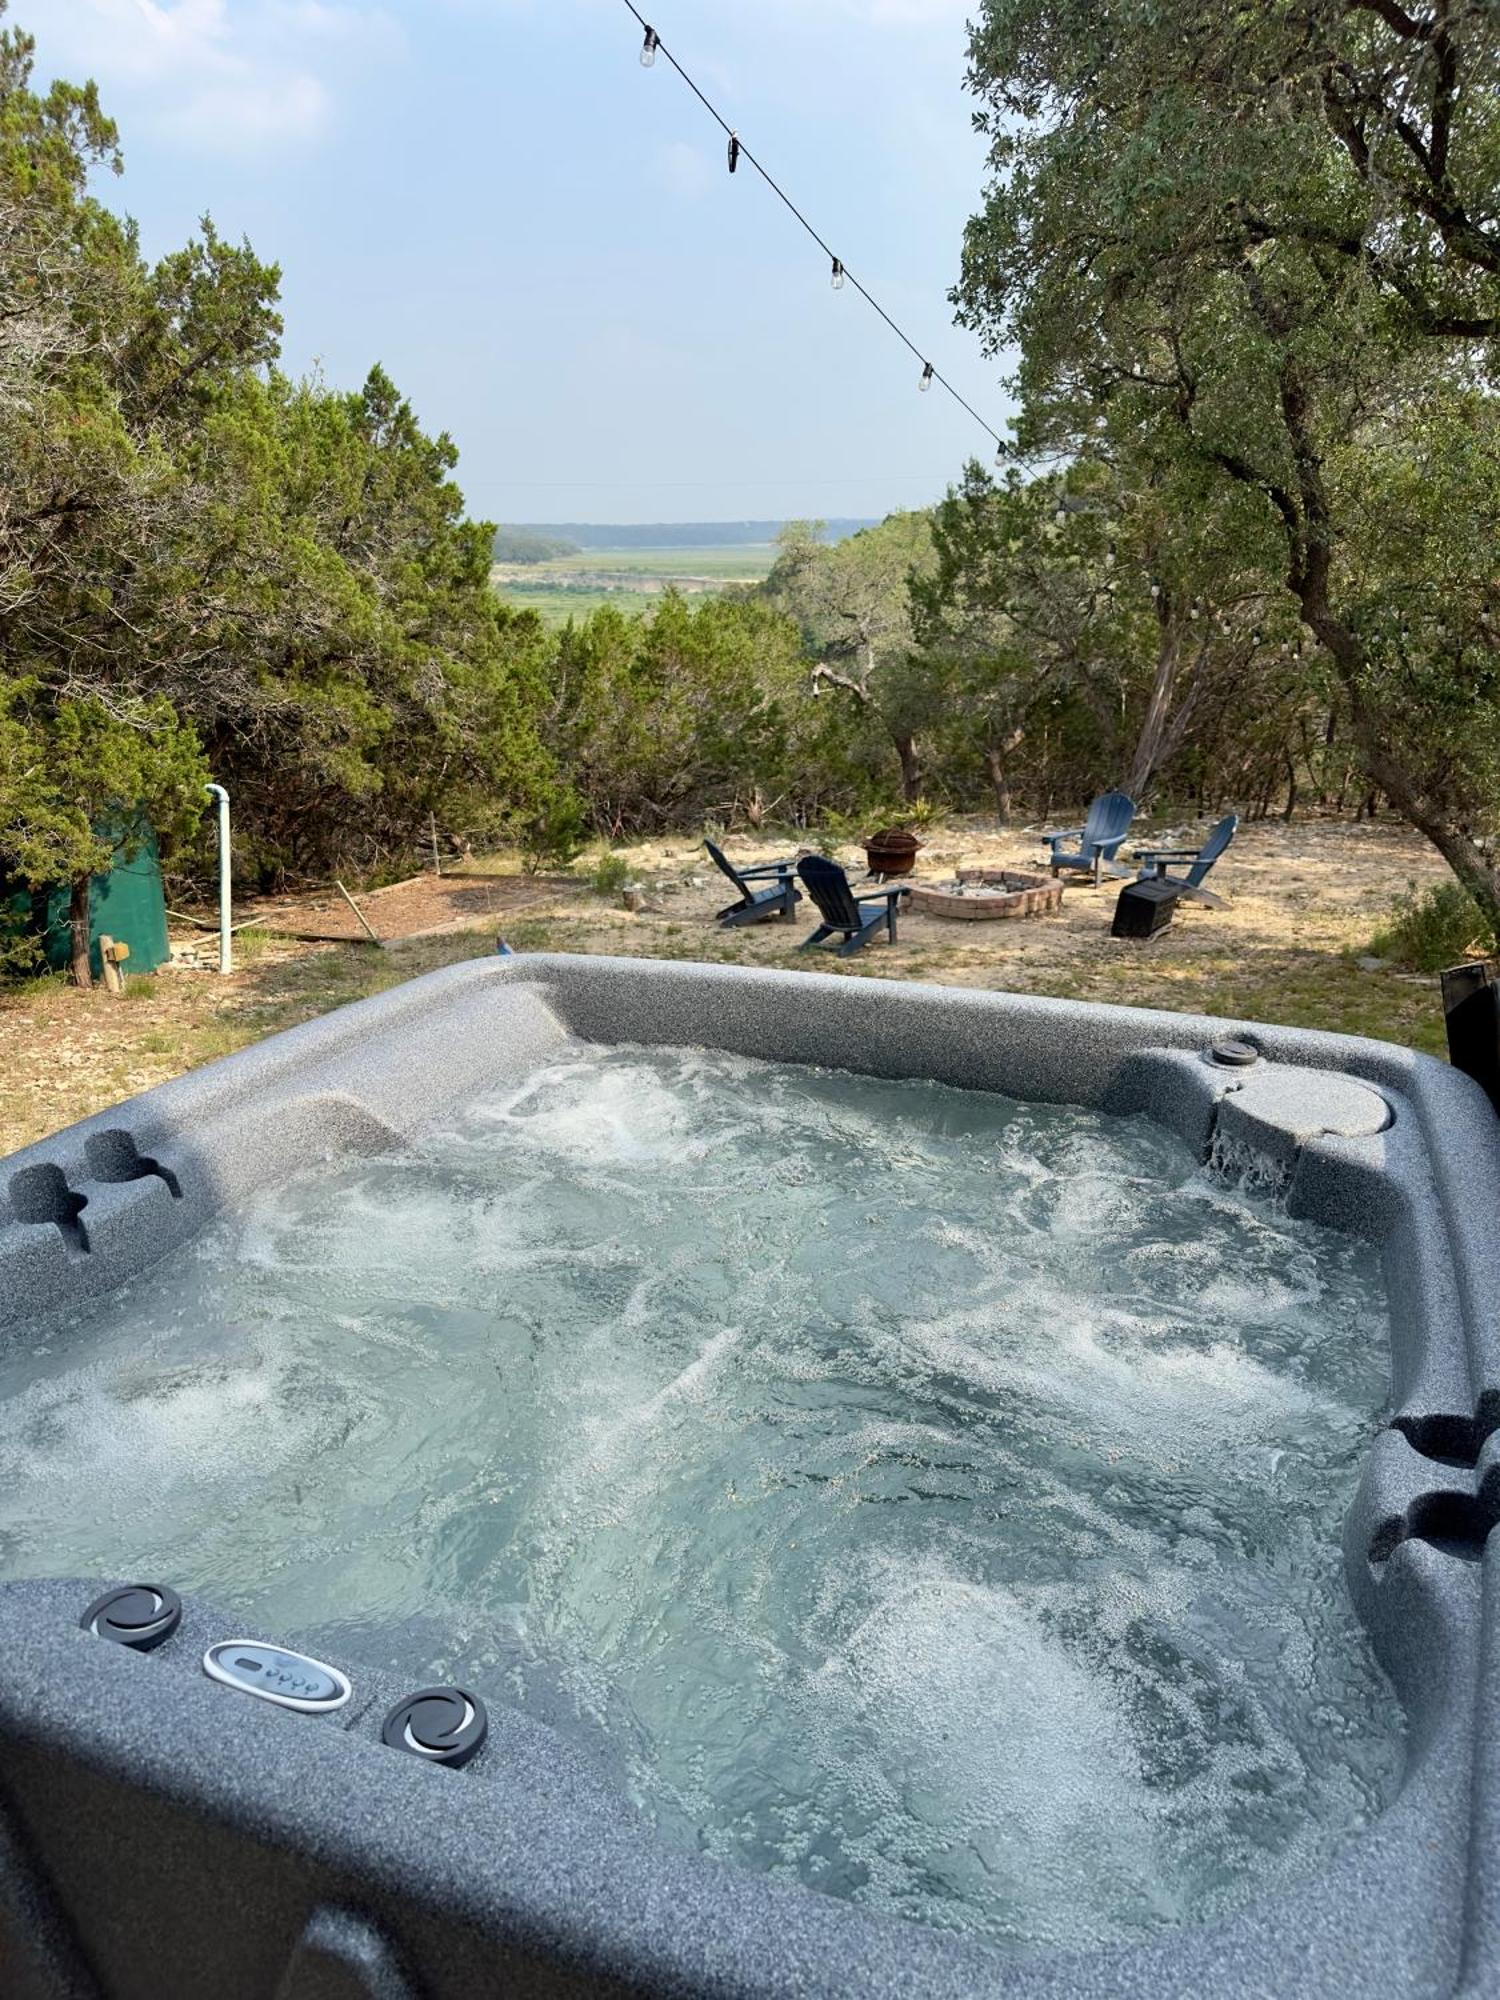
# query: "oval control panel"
[271,1673]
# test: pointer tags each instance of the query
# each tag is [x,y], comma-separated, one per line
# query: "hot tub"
[195,1799]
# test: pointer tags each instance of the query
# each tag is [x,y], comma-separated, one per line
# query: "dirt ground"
[1292,946]
[424,906]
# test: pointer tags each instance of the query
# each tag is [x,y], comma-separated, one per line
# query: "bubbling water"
[927,1497]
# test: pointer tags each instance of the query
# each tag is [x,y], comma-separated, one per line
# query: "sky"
[540,241]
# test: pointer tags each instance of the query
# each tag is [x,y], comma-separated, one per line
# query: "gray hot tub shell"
[161,1835]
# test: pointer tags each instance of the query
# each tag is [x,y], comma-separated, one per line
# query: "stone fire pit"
[981,895]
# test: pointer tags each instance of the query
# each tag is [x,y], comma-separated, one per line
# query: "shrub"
[609,875]
[553,832]
[1434,928]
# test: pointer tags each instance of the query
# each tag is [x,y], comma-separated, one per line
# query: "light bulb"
[734,152]
[649,47]
[1061,516]
[1109,556]
[1000,455]
[928,371]
[838,275]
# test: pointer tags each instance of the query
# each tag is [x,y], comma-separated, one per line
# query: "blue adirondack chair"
[1157,862]
[1099,837]
[854,914]
[779,899]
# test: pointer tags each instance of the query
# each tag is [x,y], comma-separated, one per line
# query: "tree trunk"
[994,763]
[911,770]
[1311,544]
[80,919]
[1154,727]
[1390,776]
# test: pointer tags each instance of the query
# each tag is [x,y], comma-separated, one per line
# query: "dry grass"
[1305,901]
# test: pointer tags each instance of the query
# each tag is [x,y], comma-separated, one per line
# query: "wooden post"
[371,934]
[112,956]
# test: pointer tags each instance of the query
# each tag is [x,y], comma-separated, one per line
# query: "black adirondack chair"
[779,899]
[856,915]
[1157,862]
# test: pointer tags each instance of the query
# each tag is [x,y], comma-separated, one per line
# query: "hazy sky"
[540,240]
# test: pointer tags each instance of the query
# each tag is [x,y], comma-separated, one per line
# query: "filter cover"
[443,1724]
[138,1615]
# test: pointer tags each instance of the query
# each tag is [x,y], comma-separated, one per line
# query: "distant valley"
[568,569]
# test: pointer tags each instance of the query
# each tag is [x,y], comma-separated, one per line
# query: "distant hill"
[667,534]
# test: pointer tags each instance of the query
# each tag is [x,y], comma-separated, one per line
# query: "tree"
[690,712]
[198,553]
[1255,241]
[851,601]
[1111,593]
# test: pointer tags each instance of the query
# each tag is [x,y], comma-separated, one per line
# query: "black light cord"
[740,151]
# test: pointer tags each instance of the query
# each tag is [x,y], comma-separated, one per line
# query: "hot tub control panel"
[271,1673]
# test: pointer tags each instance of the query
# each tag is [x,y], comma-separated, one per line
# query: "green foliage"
[207,567]
[74,772]
[609,875]
[1435,928]
[699,710]
[1247,252]
[554,832]
[851,601]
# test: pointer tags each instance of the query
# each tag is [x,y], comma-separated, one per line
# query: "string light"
[738,150]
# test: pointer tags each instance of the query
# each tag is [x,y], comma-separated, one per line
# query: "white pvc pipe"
[226,948]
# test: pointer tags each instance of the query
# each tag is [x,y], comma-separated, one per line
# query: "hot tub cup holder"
[114,1156]
[41,1194]
[1456,1524]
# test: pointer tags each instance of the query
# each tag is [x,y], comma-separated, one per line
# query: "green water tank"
[128,903]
